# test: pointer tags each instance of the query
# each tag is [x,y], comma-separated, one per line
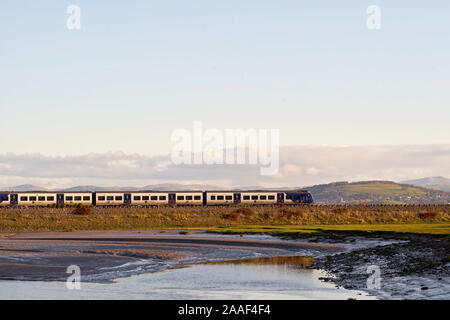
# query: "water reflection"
[289,261]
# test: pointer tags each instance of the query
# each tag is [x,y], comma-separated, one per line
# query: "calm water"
[263,278]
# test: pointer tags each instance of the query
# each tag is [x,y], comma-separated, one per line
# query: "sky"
[138,70]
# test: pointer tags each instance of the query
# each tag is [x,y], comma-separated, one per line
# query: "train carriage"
[33,198]
[221,197]
[45,198]
[75,198]
[152,198]
[186,197]
[259,197]
[256,197]
[111,198]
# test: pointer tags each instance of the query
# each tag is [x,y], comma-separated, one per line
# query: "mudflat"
[103,256]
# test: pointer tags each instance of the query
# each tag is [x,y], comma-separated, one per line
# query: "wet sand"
[104,256]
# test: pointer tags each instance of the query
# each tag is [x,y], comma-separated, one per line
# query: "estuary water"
[260,278]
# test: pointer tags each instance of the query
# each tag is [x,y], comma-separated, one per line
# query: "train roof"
[45,192]
[258,190]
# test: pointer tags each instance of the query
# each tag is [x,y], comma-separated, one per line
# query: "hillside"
[438,183]
[154,187]
[375,192]
[26,187]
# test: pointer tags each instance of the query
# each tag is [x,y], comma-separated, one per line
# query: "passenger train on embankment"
[150,198]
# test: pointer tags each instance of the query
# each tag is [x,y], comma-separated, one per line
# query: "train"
[155,198]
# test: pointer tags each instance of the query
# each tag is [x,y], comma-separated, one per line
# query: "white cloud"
[300,166]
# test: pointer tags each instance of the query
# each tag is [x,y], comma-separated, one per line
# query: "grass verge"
[431,219]
[418,228]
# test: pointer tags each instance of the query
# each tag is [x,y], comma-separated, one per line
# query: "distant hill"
[95,189]
[438,183]
[177,186]
[27,187]
[153,187]
[374,192]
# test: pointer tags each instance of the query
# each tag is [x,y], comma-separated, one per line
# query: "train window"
[32,198]
[137,198]
[271,197]
[69,198]
[180,197]
[145,198]
[262,197]
[101,198]
[188,197]
[118,198]
[219,197]
[23,199]
[229,198]
[50,198]
[154,198]
[110,198]
[41,198]
[86,198]
[5,198]
[78,198]
[213,197]
[162,198]
[254,197]
[197,197]
[288,197]
[246,197]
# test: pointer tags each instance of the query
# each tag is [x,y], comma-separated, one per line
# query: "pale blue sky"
[137,70]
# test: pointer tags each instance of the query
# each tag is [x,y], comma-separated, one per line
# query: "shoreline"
[105,256]
[417,268]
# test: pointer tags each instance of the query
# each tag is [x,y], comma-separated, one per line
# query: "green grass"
[421,228]
[382,189]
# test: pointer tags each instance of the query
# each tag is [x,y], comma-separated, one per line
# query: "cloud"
[299,166]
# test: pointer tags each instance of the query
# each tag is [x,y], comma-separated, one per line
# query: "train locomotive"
[150,198]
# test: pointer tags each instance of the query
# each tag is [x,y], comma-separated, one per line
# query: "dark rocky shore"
[416,268]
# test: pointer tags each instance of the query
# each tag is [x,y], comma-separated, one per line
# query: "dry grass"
[98,218]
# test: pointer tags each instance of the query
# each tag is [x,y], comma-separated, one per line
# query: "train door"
[280,197]
[172,199]
[237,198]
[127,198]
[60,198]
[14,199]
